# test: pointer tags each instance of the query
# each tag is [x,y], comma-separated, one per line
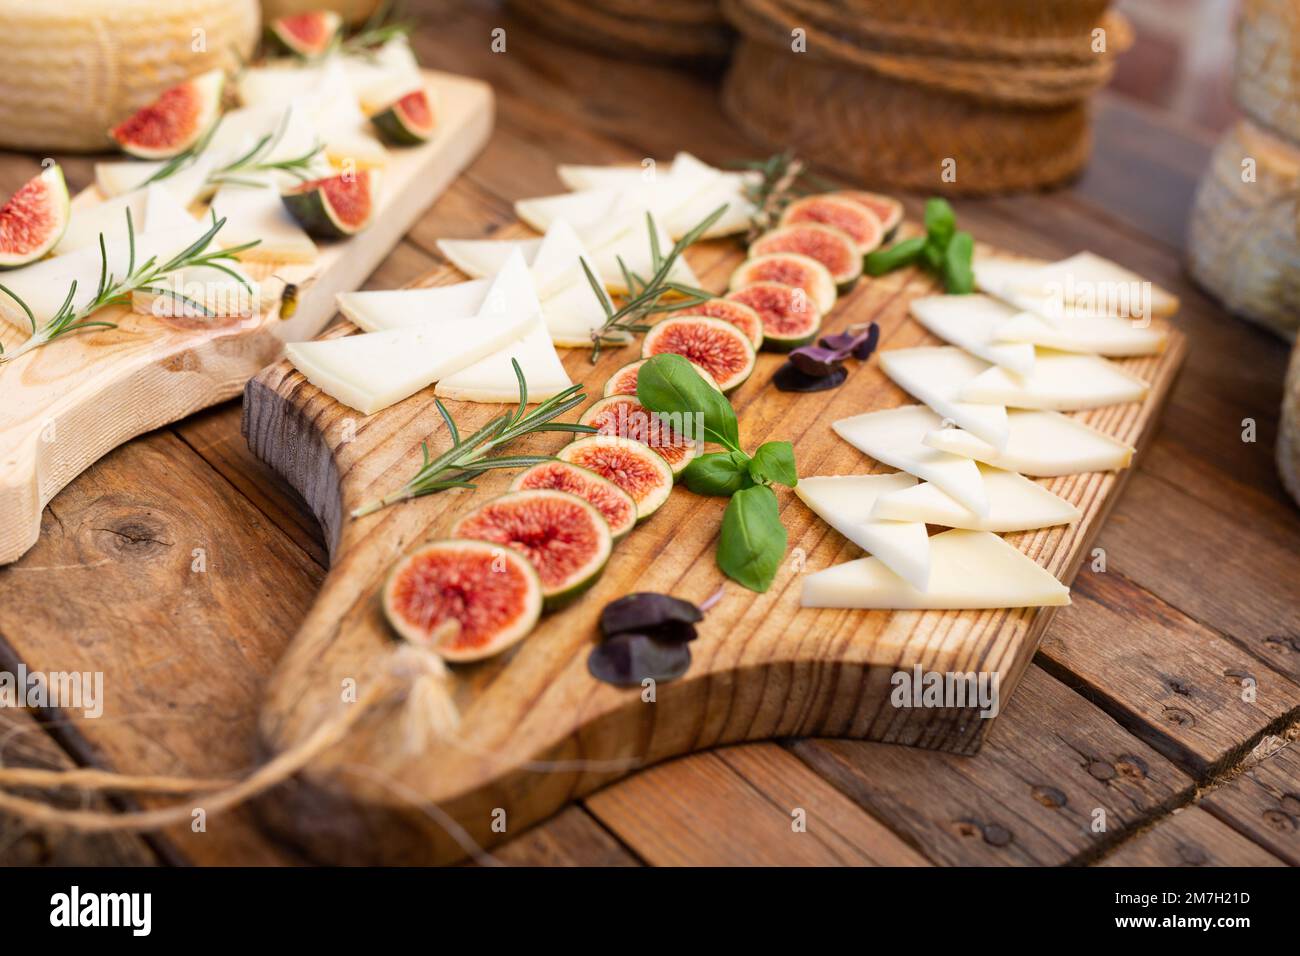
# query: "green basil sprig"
[944,250]
[753,540]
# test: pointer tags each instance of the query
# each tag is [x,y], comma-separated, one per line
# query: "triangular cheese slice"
[893,437]
[1041,444]
[845,503]
[1015,504]
[258,213]
[969,321]
[569,303]
[578,177]
[187,185]
[483,258]
[969,570]
[936,376]
[585,210]
[373,311]
[1082,285]
[1060,381]
[632,248]
[1096,335]
[493,378]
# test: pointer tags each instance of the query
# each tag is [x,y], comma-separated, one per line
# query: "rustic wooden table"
[1135,701]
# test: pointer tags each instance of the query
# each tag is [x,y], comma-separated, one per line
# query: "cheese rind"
[1060,381]
[1015,504]
[1096,335]
[936,375]
[969,570]
[1041,444]
[894,437]
[970,321]
[845,503]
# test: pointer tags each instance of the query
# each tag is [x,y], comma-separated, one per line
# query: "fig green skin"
[395,130]
[289,43]
[775,343]
[314,213]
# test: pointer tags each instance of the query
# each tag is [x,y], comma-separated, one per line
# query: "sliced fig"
[407,120]
[721,348]
[624,415]
[614,504]
[636,468]
[790,316]
[34,218]
[563,536]
[741,316]
[173,122]
[887,209]
[623,381]
[828,245]
[789,268]
[335,207]
[851,218]
[466,600]
[307,34]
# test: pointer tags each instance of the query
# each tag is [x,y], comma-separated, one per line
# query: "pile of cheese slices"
[525,297]
[1037,342]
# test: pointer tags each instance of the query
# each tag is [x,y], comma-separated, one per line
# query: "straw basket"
[72,69]
[662,30]
[901,94]
[1267,74]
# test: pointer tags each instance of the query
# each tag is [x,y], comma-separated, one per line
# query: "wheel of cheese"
[1267,68]
[73,68]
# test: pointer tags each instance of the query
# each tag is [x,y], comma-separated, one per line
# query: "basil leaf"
[900,254]
[940,222]
[958,276]
[752,543]
[717,473]
[774,461]
[668,384]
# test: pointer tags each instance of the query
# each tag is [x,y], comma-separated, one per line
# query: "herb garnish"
[466,459]
[783,180]
[944,250]
[752,540]
[114,291]
[644,296]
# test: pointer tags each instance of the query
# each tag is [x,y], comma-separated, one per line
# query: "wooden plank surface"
[1129,205]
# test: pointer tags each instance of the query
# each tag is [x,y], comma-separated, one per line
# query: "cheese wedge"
[936,375]
[569,304]
[586,210]
[845,503]
[893,437]
[1096,335]
[1041,444]
[492,379]
[483,258]
[970,322]
[632,248]
[1015,504]
[578,177]
[187,185]
[258,213]
[1082,285]
[162,210]
[393,308]
[1060,381]
[969,570]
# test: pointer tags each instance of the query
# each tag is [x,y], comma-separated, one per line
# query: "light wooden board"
[537,730]
[65,405]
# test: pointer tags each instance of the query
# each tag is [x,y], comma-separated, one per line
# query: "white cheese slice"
[374,311]
[162,210]
[483,258]
[1015,504]
[893,437]
[578,177]
[188,184]
[1041,444]
[1060,381]
[586,210]
[108,218]
[845,503]
[1083,285]
[492,379]
[970,321]
[375,74]
[969,570]
[569,304]
[258,213]
[632,248]
[1097,335]
[936,375]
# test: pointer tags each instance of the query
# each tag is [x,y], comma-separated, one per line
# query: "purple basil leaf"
[657,615]
[788,378]
[815,360]
[862,350]
[627,659]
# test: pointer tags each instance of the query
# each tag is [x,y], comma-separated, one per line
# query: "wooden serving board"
[536,729]
[64,406]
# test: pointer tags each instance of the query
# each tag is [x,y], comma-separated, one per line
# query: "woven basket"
[663,30]
[1242,236]
[883,95]
[1267,73]
[73,68]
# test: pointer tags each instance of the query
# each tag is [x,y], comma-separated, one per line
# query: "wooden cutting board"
[67,404]
[536,729]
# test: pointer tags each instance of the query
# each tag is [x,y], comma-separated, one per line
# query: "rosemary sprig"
[466,459]
[145,277]
[784,179]
[256,159]
[644,296]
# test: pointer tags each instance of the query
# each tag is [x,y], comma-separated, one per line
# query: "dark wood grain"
[1191,837]
[1263,803]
